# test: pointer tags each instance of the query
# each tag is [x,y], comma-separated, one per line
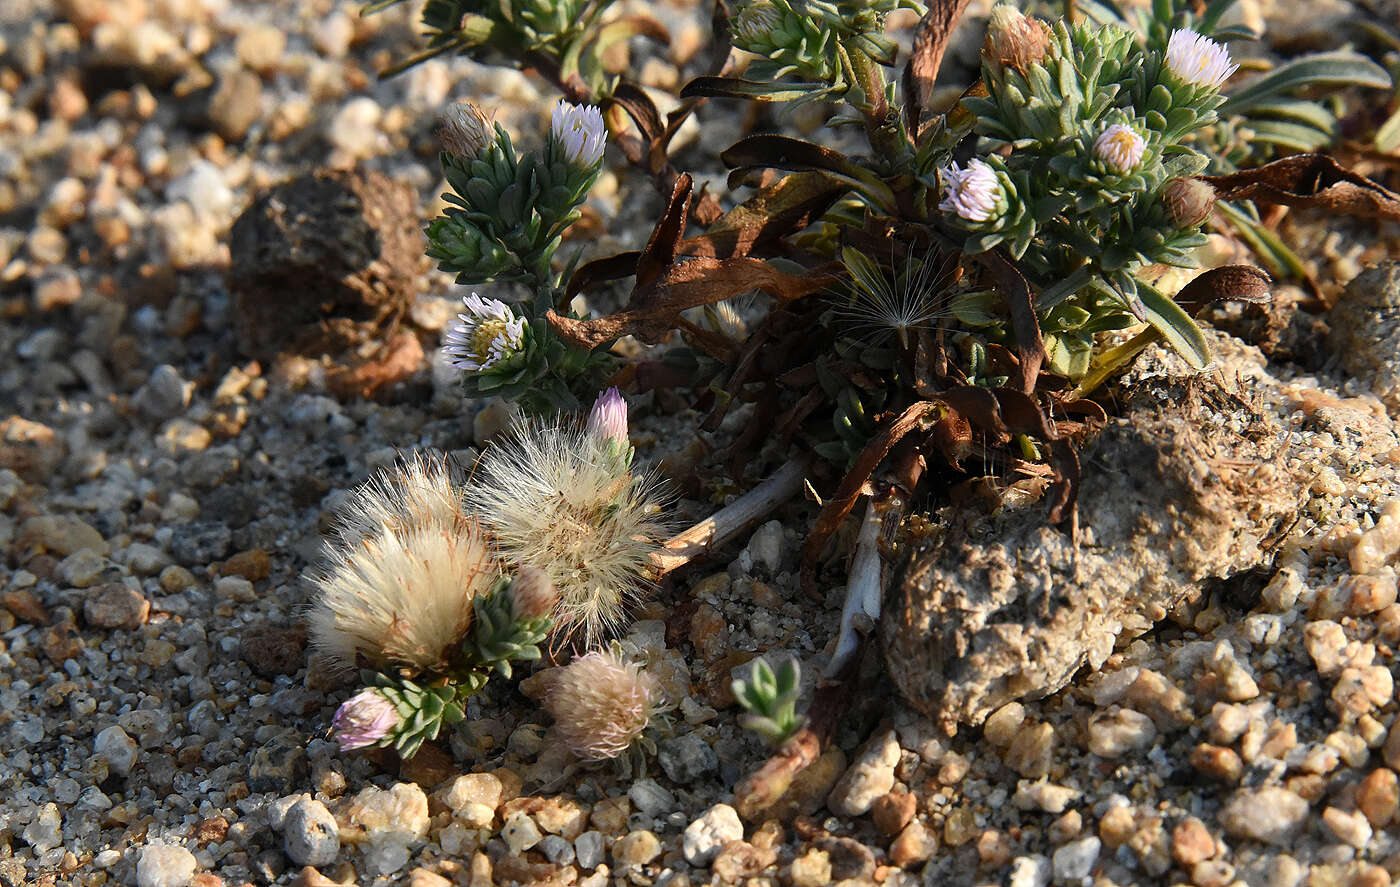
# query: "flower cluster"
[436,586]
[1087,128]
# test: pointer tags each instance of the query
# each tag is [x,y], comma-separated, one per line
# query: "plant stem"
[863,591]
[732,519]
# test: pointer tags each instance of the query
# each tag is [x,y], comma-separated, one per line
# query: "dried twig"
[731,520]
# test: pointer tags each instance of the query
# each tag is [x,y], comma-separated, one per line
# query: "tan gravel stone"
[1192,842]
[1030,751]
[1378,796]
[914,845]
[892,812]
[811,869]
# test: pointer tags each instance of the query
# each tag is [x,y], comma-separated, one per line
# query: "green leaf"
[1294,138]
[1339,68]
[1175,325]
[755,90]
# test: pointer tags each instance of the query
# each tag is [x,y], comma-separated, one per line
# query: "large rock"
[1366,331]
[324,262]
[1181,487]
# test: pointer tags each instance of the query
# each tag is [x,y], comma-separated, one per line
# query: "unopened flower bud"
[463,130]
[1015,40]
[1120,148]
[532,594]
[363,720]
[579,133]
[607,421]
[1189,202]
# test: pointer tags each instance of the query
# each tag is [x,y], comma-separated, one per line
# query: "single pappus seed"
[363,720]
[972,192]
[486,333]
[1120,147]
[1198,60]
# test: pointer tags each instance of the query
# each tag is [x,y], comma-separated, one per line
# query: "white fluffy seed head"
[554,497]
[601,704]
[401,572]
[1198,60]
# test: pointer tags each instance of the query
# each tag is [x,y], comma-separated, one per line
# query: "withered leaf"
[1241,283]
[1030,346]
[784,207]
[930,43]
[1310,180]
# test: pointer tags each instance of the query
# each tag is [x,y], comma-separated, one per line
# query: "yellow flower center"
[1123,140]
[485,333]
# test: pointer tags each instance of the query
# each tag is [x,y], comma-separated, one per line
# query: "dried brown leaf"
[1312,181]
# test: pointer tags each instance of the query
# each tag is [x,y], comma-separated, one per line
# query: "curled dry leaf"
[1312,181]
[930,43]
[668,284]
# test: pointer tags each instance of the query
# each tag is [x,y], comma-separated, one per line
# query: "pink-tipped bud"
[601,704]
[363,720]
[1189,202]
[463,130]
[607,421]
[1015,40]
[532,594]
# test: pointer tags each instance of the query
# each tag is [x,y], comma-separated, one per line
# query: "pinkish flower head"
[607,421]
[971,192]
[1120,148]
[363,720]
[1198,60]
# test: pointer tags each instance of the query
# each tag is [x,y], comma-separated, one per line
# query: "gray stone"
[766,546]
[117,749]
[870,776]
[1366,331]
[650,798]
[704,837]
[277,765]
[556,849]
[309,833]
[1273,814]
[200,543]
[1074,861]
[164,865]
[165,394]
[45,831]
[687,758]
[588,849]
[1006,606]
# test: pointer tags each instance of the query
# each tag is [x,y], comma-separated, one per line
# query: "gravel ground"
[161,494]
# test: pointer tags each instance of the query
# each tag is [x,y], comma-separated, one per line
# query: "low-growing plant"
[946,299]
[769,700]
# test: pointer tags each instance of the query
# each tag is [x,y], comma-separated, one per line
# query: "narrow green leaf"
[1339,68]
[1175,325]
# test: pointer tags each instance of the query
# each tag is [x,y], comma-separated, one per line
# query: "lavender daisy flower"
[579,132]
[1198,60]
[972,193]
[487,333]
[607,421]
[1119,147]
[363,720]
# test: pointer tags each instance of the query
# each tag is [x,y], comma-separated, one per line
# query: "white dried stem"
[731,520]
[864,586]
